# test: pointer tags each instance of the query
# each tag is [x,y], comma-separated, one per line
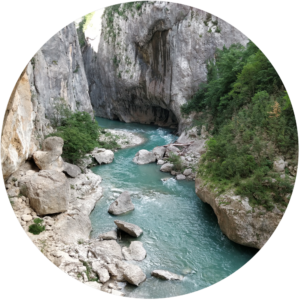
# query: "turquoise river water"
[181,233]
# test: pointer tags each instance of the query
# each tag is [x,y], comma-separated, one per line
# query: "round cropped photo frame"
[150,150]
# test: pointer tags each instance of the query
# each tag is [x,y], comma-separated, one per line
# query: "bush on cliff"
[80,134]
[37,227]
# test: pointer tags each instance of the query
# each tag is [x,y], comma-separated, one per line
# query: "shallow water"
[181,233]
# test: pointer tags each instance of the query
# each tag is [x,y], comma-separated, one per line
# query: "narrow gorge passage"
[181,233]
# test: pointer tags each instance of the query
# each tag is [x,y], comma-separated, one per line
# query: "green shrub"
[37,227]
[176,161]
[80,134]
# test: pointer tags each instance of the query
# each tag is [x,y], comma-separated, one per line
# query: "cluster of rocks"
[101,156]
[189,147]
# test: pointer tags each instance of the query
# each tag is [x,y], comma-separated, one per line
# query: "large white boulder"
[122,205]
[144,157]
[103,156]
[131,229]
[134,275]
[48,191]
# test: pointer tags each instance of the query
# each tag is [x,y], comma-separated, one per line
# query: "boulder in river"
[134,275]
[159,152]
[166,275]
[103,156]
[135,251]
[122,205]
[131,229]
[167,167]
[180,177]
[144,157]
[160,162]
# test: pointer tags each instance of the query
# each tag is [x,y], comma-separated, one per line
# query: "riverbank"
[65,240]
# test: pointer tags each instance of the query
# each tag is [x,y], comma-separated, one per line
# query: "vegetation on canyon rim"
[246,108]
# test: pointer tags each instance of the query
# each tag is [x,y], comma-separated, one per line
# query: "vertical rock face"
[151,61]
[17,142]
[57,74]
[53,76]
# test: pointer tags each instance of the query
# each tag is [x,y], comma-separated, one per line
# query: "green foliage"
[245,103]
[176,161]
[82,26]
[80,134]
[218,30]
[37,227]
[89,272]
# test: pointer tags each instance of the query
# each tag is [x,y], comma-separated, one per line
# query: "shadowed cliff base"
[130,113]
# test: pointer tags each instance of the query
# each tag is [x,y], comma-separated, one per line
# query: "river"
[181,233]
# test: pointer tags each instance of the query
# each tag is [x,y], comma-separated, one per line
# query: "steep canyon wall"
[151,60]
[54,75]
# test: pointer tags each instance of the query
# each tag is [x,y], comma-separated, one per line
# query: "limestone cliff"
[55,74]
[239,221]
[151,60]
[17,143]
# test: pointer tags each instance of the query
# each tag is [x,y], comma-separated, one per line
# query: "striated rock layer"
[150,62]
